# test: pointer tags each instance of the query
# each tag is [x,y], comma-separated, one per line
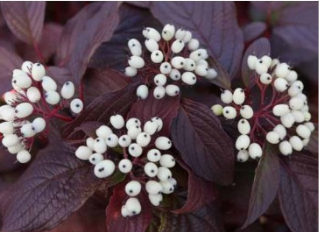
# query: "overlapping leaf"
[254,30]
[203,145]
[25,19]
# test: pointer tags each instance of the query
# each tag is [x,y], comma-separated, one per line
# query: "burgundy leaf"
[25,19]
[200,192]
[102,108]
[298,192]
[265,186]
[312,146]
[254,30]
[213,23]
[166,109]
[144,4]
[55,185]
[8,62]
[204,146]
[114,53]
[258,48]
[116,222]
[97,82]
[7,161]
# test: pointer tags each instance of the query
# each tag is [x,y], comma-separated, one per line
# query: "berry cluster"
[282,118]
[143,158]
[171,55]
[30,105]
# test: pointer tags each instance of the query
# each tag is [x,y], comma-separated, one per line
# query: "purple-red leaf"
[254,30]
[298,192]
[258,48]
[203,145]
[7,161]
[116,222]
[55,185]
[213,23]
[265,186]
[25,19]
[166,109]
[102,108]
[200,192]
[8,62]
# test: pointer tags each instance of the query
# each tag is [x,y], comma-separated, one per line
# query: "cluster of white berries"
[283,120]
[172,55]
[27,107]
[139,149]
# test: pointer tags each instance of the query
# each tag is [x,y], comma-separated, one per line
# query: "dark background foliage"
[87,43]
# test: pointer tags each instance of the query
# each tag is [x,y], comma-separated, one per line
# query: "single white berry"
[193,44]
[189,78]
[265,78]
[103,132]
[177,46]
[281,84]
[10,140]
[293,91]
[310,126]
[273,137]
[217,109]
[27,67]
[164,173]
[142,92]
[168,32]
[133,43]
[296,143]
[83,153]
[155,199]
[157,56]
[266,60]
[167,161]
[160,79]
[165,68]
[274,63]
[243,126]
[226,96]
[246,112]
[133,206]
[190,65]
[172,90]
[151,45]
[11,97]
[136,62]
[255,151]
[22,80]
[239,96]
[23,156]
[260,67]
[153,187]
[307,116]
[96,158]
[285,148]
[130,71]
[48,84]
[7,113]
[201,70]
[143,139]
[211,74]
[180,34]
[125,166]
[281,130]
[173,182]
[99,145]
[163,143]
[39,124]
[125,141]
[298,116]
[132,122]
[38,71]
[33,94]
[6,128]
[134,131]
[124,212]
[229,112]
[154,155]
[23,110]
[159,122]
[242,142]
[202,62]
[112,140]
[76,106]
[287,120]
[133,188]
[135,150]
[15,148]
[280,110]
[188,36]
[296,103]
[251,62]
[52,97]
[282,70]
[150,169]
[159,92]
[117,121]
[154,34]
[136,51]
[242,156]
[298,84]
[168,188]
[68,90]
[150,127]
[90,143]
[104,169]
[27,130]
[198,55]
[303,131]
[175,75]
[178,62]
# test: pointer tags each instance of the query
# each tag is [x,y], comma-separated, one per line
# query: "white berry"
[104,169]
[157,56]
[83,153]
[243,126]
[125,166]
[23,110]
[143,139]
[136,62]
[296,143]
[52,97]
[142,91]
[135,150]
[112,140]
[189,78]
[273,137]
[96,158]
[159,92]
[99,145]
[76,106]
[242,142]
[229,112]
[124,141]
[24,156]
[68,90]
[172,90]
[165,68]
[164,173]
[242,156]
[38,71]
[285,148]
[175,75]
[163,143]
[117,121]
[167,161]
[160,79]
[39,124]
[154,155]
[133,188]
[150,169]
[226,96]
[153,187]
[255,151]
